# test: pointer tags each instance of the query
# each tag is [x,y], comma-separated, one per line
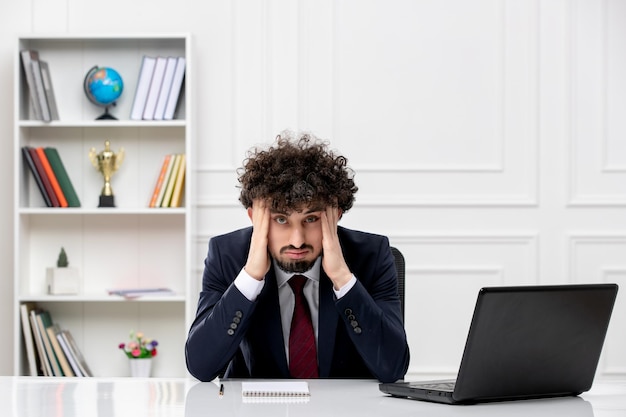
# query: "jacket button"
[230,332]
[348,311]
[357,330]
[233,326]
[354,323]
[238,313]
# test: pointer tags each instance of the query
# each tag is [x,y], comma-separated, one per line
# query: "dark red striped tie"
[302,350]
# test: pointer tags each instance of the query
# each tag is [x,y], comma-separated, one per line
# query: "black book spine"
[33,169]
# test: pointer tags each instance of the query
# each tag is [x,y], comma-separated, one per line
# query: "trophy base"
[107,201]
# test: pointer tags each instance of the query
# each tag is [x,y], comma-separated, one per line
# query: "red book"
[44,178]
[52,177]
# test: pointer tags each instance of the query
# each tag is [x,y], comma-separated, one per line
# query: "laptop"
[525,342]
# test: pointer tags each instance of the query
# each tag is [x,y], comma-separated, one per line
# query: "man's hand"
[333,262]
[258,263]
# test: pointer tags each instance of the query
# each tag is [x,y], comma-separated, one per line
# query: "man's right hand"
[258,263]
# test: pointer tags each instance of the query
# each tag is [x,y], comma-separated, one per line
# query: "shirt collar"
[282,277]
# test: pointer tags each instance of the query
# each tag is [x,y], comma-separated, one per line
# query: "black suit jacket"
[360,335]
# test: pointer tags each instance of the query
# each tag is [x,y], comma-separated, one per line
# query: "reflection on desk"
[112,397]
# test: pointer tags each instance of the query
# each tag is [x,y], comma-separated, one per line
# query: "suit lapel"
[327,326]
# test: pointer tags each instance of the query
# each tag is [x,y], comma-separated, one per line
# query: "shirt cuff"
[347,287]
[248,286]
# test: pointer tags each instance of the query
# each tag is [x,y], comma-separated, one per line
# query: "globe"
[103,86]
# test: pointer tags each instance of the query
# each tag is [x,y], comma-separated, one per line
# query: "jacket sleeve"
[372,314]
[221,317]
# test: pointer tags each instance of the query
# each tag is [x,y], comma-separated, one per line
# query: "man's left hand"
[333,261]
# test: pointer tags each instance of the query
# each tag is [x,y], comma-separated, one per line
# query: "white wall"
[487,136]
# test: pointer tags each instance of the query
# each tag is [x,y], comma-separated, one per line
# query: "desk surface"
[110,397]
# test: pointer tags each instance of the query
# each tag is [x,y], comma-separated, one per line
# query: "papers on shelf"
[131,293]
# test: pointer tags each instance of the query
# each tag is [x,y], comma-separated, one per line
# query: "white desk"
[110,397]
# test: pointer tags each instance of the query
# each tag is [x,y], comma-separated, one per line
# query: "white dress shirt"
[251,288]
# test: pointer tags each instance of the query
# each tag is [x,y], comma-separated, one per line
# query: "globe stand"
[106,115]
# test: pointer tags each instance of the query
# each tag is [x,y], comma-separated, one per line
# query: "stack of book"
[51,177]
[158,88]
[50,350]
[37,74]
[169,187]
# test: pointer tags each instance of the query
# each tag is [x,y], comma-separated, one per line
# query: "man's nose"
[297,237]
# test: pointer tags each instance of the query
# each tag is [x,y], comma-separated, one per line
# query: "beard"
[295,267]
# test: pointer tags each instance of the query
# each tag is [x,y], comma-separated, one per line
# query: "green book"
[64,180]
[44,320]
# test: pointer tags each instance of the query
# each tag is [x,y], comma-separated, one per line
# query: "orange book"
[53,179]
[160,181]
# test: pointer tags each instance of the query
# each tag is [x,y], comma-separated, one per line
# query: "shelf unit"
[130,245]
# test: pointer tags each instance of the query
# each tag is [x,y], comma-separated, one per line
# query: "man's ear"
[340,214]
[250,213]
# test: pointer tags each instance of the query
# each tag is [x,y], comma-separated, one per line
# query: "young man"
[295,192]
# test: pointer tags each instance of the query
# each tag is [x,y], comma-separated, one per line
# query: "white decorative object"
[140,367]
[63,281]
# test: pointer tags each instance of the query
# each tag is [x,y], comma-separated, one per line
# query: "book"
[80,359]
[132,293]
[275,389]
[177,82]
[33,169]
[160,180]
[170,166]
[49,90]
[44,320]
[62,177]
[178,186]
[39,88]
[46,370]
[166,85]
[53,331]
[171,181]
[71,359]
[27,57]
[143,85]
[51,177]
[155,88]
[29,338]
[54,201]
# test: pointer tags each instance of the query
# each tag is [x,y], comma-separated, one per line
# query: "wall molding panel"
[597,168]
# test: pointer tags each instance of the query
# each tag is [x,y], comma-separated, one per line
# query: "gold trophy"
[106,162]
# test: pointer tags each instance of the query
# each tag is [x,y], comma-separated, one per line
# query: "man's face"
[295,238]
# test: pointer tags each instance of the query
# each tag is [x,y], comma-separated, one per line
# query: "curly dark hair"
[295,172]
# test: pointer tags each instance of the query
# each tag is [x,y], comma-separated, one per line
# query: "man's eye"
[280,220]
[311,219]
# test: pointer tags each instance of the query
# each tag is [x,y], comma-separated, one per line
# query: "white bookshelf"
[130,245]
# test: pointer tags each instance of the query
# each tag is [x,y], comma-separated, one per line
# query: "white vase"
[140,367]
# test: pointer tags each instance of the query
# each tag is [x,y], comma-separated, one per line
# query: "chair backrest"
[400,269]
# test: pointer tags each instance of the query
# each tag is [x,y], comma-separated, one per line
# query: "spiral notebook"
[275,389]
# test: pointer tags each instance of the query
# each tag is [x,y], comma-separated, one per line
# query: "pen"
[221,393]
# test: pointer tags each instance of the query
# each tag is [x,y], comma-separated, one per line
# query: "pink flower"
[139,346]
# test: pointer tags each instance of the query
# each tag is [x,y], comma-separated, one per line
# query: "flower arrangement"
[139,346]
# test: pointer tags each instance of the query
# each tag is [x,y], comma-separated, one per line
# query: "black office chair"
[401,270]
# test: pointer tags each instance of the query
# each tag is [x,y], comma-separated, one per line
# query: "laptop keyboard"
[439,386]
